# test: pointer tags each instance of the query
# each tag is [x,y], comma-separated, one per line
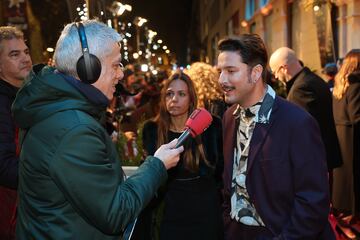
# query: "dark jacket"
[286,174]
[71,184]
[8,161]
[8,138]
[310,92]
[346,190]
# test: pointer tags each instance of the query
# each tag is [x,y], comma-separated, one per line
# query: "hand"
[168,154]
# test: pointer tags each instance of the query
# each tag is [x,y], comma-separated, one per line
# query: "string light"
[147,49]
[82,12]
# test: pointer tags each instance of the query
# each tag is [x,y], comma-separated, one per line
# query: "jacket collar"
[304,71]
[260,133]
[261,110]
[8,89]
[88,90]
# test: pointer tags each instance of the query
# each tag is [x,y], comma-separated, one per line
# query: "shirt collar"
[260,111]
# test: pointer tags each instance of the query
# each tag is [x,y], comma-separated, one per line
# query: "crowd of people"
[267,167]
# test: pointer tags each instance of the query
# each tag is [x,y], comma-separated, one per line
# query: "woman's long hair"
[350,64]
[163,119]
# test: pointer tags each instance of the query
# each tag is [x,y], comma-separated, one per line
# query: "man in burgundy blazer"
[286,175]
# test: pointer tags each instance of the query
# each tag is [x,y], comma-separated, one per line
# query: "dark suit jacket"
[8,139]
[8,161]
[310,92]
[286,176]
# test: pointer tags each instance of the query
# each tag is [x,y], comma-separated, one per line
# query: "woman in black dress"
[188,206]
[346,105]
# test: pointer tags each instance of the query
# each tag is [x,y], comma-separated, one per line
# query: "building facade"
[319,31]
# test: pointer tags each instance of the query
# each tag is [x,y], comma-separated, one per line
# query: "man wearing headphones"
[71,184]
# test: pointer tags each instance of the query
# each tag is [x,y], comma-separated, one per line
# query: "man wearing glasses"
[309,91]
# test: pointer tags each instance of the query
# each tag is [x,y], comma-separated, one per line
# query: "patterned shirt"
[242,210]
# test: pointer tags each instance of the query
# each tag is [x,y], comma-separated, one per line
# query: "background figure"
[339,62]
[346,104]
[310,92]
[209,93]
[330,71]
[275,175]
[123,103]
[127,104]
[148,106]
[278,86]
[188,206]
[129,81]
[15,65]
[71,184]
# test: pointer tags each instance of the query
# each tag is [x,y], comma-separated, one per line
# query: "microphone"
[197,123]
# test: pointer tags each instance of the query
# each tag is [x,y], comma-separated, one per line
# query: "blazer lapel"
[260,133]
[229,137]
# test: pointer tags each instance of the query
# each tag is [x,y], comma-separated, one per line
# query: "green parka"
[71,185]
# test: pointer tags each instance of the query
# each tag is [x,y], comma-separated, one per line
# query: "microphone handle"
[183,137]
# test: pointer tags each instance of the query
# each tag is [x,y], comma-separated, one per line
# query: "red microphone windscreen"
[199,121]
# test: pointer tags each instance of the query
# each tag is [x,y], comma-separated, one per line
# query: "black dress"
[346,186]
[190,202]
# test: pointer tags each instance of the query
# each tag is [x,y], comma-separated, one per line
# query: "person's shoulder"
[3,87]
[285,105]
[353,90]
[311,82]
[7,90]
[72,119]
[354,78]
[150,125]
[289,110]
[310,78]
[4,100]
[216,121]
[215,125]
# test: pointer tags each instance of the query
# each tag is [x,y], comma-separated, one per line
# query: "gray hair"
[8,33]
[68,47]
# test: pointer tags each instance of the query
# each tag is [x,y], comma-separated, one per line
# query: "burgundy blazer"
[287,174]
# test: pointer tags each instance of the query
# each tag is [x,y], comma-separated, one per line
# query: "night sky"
[169,18]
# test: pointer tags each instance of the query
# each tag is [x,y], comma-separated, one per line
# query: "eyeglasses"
[121,66]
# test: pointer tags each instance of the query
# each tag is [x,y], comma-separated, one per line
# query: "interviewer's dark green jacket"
[70,178]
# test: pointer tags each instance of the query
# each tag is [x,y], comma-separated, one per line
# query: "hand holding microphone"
[169,155]
[196,124]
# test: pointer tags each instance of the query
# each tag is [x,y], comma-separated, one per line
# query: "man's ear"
[256,73]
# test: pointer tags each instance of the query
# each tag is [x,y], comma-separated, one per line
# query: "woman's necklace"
[177,130]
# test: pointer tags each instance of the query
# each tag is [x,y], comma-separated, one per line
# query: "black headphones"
[88,67]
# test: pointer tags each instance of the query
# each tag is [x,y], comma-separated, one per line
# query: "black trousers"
[239,231]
